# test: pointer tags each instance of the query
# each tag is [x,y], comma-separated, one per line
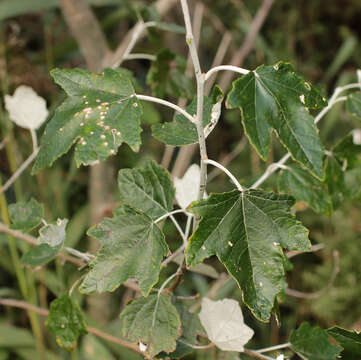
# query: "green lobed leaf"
[39,255]
[353,104]
[148,188]
[100,113]
[167,76]
[26,215]
[181,131]
[154,321]
[313,343]
[247,231]
[299,183]
[349,340]
[66,321]
[132,246]
[275,97]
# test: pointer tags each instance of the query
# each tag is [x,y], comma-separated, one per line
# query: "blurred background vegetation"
[321,39]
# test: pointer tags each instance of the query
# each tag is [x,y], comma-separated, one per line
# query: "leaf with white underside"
[148,188]
[187,188]
[274,97]
[26,108]
[181,131]
[353,104]
[224,324]
[53,234]
[296,181]
[247,231]
[132,247]
[51,239]
[313,343]
[152,321]
[100,113]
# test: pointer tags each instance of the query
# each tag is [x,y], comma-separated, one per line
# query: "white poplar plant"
[248,229]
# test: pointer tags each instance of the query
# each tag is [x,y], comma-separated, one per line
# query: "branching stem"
[225,68]
[200,78]
[169,214]
[274,348]
[166,103]
[19,171]
[227,172]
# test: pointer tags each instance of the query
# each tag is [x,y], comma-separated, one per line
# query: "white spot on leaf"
[302,98]
[307,86]
[142,347]
[26,108]
[224,324]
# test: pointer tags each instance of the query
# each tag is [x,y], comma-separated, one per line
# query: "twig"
[240,55]
[45,312]
[166,103]
[176,224]
[227,172]
[174,255]
[257,355]
[162,6]
[19,171]
[273,348]
[34,139]
[197,347]
[232,68]
[200,92]
[169,214]
[33,241]
[65,257]
[317,294]
[136,34]
[84,256]
[140,56]
[76,282]
[186,298]
[185,153]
